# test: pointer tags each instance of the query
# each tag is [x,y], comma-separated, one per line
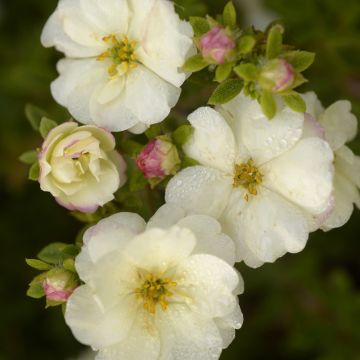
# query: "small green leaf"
[29,157]
[226,91]
[248,71]
[274,42]
[182,134]
[187,162]
[246,44]
[69,264]
[34,172]
[46,125]
[38,264]
[223,72]
[56,253]
[300,60]
[35,291]
[295,102]
[268,104]
[153,131]
[195,63]
[200,25]
[299,80]
[34,114]
[229,15]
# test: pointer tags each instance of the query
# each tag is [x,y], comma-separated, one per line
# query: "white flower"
[124,59]
[80,167]
[154,292]
[261,178]
[338,126]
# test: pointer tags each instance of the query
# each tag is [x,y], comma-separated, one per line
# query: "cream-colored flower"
[124,59]
[262,179]
[156,292]
[338,126]
[80,167]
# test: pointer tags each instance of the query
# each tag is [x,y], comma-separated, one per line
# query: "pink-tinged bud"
[59,284]
[158,159]
[216,45]
[277,75]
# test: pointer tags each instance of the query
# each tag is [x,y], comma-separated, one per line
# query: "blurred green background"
[306,306]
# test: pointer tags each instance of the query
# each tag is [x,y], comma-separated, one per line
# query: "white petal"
[265,227]
[313,104]
[209,282]
[212,143]
[186,336]
[77,27]
[76,84]
[142,342]
[165,40]
[263,139]
[346,194]
[145,98]
[199,189]
[159,250]
[348,165]
[339,123]
[166,216]
[210,239]
[94,325]
[303,175]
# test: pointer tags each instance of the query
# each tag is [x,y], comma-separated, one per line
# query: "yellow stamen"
[248,176]
[153,291]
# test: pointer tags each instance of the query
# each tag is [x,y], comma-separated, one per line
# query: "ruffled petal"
[200,189]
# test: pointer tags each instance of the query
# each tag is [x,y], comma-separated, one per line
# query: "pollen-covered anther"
[121,53]
[248,176]
[154,291]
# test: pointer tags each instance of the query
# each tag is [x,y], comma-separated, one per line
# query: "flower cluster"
[238,186]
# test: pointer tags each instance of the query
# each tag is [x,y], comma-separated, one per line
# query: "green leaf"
[268,104]
[34,114]
[34,172]
[56,253]
[200,25]
[35,291]
[38,264]
[246,44]
[182,134]
[131,147]
[226,91]
[29,157]
[248,71]
[187,162]
[300,60]
[229,15]
[295,102]
[137,180]
[299,80]
[46,125]
[153,131]
[69,264]
[223,72]
[195,63]
[274,42]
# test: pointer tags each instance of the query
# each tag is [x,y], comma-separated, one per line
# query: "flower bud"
[158,159]
[216,45]
[80,167]
[59,284]
[277,75]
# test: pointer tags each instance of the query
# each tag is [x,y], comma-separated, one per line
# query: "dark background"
[306,306]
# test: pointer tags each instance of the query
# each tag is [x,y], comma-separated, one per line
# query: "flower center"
[248,176]
[121,53]
[153,291]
